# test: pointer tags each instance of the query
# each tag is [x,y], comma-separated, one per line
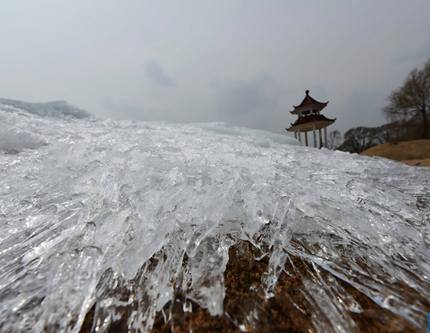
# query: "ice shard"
[106,208]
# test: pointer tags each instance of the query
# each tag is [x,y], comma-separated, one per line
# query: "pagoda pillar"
[306,138]
[315,137]
[320,135]
[325,137]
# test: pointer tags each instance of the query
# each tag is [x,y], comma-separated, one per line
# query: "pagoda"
[310,119]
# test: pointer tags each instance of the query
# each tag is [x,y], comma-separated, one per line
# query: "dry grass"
[416,152]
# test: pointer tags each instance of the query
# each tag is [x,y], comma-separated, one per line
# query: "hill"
[415,152]
[46,109]
[358,139]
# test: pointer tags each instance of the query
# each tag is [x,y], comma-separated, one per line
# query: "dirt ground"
[246,307]
[416,152]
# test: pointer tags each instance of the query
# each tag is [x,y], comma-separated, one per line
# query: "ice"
[13,142]
[106,209]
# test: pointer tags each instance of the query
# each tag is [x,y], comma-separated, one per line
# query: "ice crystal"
[153,207]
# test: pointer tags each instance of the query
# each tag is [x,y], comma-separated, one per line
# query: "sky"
[243,62]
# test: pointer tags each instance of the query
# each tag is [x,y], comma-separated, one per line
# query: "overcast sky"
[245,62]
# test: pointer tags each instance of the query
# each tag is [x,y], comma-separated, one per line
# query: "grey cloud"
[414,56]
[237,97]
[257,102]
[361,108]
[156,74]
[336,50]
[120,108]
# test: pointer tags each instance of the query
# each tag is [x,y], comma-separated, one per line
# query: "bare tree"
[412,99]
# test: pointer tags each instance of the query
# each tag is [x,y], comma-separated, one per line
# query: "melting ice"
[86,205]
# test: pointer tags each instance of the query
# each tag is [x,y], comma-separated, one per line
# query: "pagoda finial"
[307,92]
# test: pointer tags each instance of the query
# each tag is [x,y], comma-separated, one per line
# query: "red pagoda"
[310,119]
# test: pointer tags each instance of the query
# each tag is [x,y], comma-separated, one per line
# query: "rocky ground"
[247,308]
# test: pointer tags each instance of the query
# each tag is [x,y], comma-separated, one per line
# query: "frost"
[150,208]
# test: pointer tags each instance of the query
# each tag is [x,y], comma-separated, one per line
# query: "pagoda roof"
[306,123]
[309,103]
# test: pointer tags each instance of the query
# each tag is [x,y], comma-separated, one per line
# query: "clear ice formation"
[87,210]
